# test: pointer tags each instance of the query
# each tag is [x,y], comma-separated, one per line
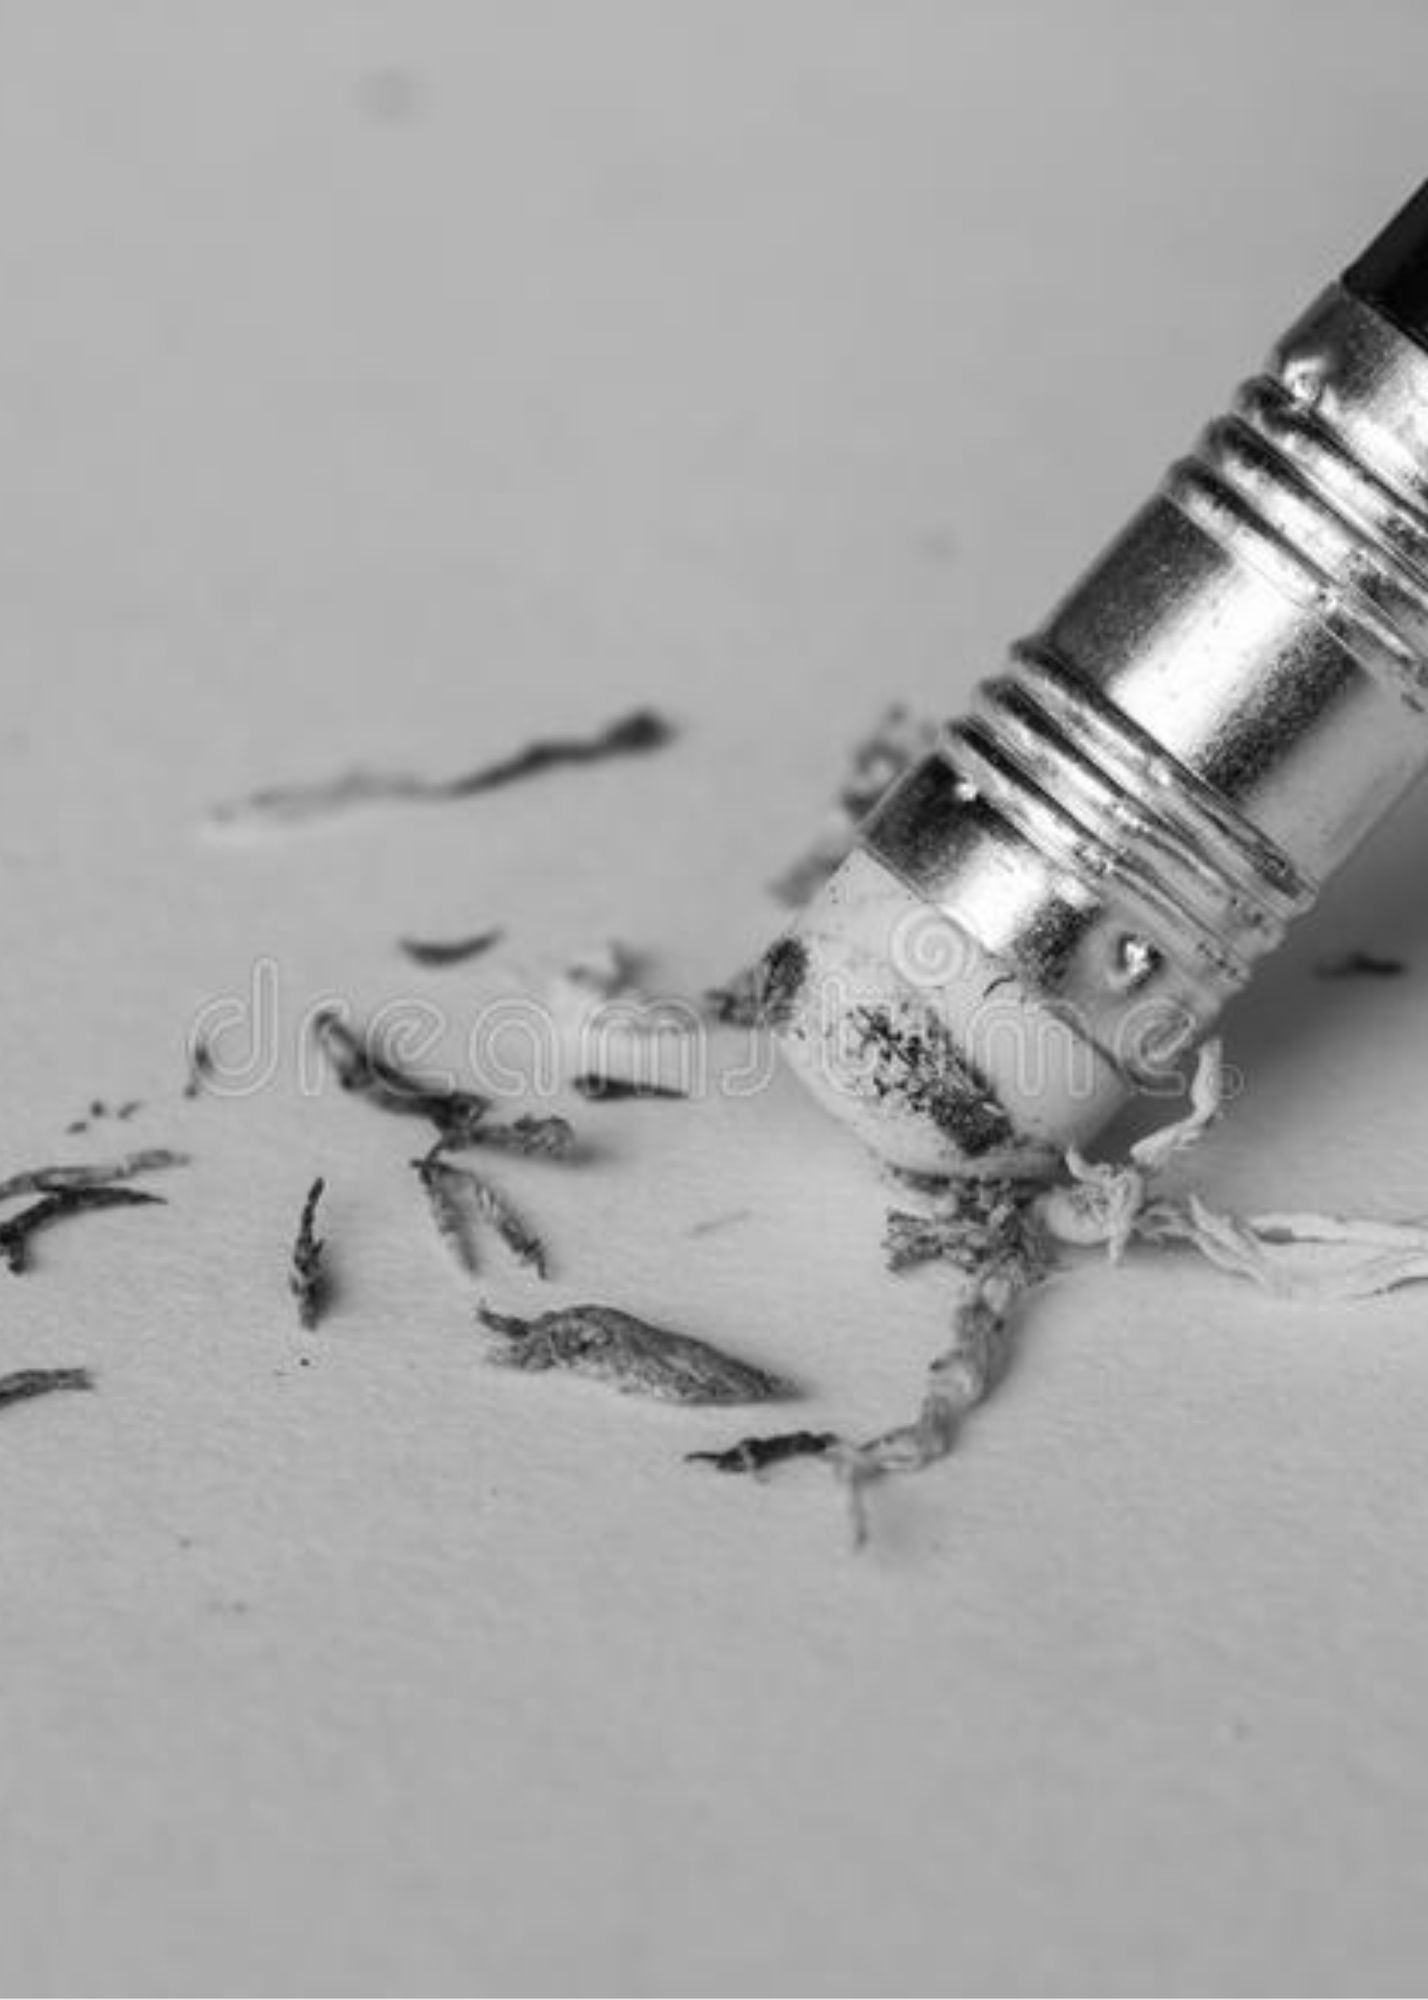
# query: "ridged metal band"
[1107,802]
[1137,904]
[1280,486]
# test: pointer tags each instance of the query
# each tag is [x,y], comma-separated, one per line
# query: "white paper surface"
[390,384]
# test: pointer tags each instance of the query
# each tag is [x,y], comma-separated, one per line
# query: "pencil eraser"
[931,1048]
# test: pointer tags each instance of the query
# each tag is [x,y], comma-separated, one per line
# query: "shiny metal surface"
[1211,721]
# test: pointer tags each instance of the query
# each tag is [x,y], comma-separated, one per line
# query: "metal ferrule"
[1212,720]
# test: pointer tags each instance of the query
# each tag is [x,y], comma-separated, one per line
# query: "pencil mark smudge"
[1360,965]
[307,1278]
[364,1071]
[548,1137]
[449,951]
[58,1178]
[16,1233]
[781,978]
[629,1354]
[98,1110]
[642,730]
[461,1200]
[738,1003]
[712,1224]
[914,1063]
[23,1385]
[754,1455]
[616,1089]
[201,1065]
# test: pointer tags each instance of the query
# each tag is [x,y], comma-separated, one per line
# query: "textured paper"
[389,385]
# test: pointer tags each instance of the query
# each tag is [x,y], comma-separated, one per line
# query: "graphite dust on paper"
[994,1241]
